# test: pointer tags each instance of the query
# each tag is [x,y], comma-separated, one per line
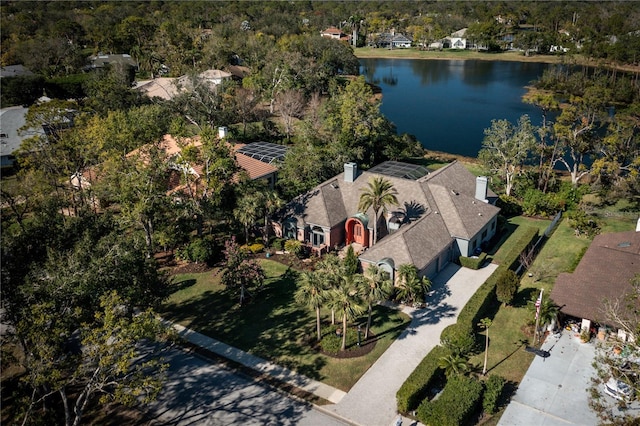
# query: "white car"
[618,390]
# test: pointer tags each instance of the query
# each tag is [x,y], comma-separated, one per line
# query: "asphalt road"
[200,392]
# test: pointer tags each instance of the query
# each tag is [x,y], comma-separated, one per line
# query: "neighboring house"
[167,88]
[456,40]
[603,274]
[11,120]
[101,61]
[335,33]
[393,40]
[14,71]
[441,215]
[163,87]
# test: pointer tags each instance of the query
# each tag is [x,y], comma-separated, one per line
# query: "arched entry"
[357,231]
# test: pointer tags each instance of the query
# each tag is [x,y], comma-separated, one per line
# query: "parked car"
[618,390]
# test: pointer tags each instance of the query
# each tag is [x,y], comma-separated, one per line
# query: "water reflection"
[447,104]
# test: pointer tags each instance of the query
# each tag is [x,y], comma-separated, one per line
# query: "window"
[290,230]
[357,230]
[475,244]
[484,234]
[317,237]
[493,225]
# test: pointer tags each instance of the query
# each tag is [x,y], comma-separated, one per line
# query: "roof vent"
[454,192]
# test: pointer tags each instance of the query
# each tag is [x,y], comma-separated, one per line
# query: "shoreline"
[450,55]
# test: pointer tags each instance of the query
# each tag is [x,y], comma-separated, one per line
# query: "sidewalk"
[283,374]
[372,400]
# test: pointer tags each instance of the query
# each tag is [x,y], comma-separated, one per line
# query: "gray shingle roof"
[441,205]
[604,273]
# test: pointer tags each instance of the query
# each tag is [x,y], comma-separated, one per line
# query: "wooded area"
[87,208]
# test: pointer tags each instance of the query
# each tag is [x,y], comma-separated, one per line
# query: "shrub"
[278,244]
[351,262]
[506,286]
[492,393]
[456,405]
[538,203]
[458,338]
[473,262]
[509,206]
[198,250]
[293,246]
[426,376]
[583,224]
[256,248]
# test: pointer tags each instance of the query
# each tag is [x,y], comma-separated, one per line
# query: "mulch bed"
[353,351]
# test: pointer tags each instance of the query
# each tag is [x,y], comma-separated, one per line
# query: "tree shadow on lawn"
[507,230]
[182,284]
[523,297]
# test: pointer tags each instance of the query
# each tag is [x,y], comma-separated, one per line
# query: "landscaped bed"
[271,325]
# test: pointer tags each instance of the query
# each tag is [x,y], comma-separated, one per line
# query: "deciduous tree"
[506,147]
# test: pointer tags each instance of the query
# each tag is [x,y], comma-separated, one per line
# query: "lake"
[447,104]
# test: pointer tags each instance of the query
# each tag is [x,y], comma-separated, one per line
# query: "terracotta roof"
[255,168]
[604,273]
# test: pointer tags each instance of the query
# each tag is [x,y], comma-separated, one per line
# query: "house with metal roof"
[441,215]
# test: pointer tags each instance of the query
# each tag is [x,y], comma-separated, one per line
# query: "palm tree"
[311,292]
[348,300]
[331,269]
[548,310]
[272,203]
[453,365]
[247,212]
[378,195]
[411,287]
[376,286]
[485,323]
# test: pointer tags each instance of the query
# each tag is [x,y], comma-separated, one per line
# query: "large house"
[441,215]
[335,33]
[603,274]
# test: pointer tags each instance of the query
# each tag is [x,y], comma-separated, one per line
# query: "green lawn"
[272,325]
[511,328]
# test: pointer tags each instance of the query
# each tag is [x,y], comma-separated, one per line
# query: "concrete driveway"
[554,390]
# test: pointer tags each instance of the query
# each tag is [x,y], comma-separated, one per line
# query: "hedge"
[417,385]
[456,405]
[492,393]
[426,375]
[526,238]
[473,262]
[459,338]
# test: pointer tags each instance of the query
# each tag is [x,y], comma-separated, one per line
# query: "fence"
[547,232]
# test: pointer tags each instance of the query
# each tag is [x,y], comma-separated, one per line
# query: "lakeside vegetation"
[88,211]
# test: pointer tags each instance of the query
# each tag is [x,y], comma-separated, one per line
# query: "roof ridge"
[436,172]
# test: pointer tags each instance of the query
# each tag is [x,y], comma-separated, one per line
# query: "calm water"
[448,104]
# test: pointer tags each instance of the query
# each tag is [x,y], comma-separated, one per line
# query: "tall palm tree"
[331,269]
[411,287]
[348,300]
[485,323]
[453,365]
[272,203]
[247,212]
[379,194]
[376,286]
[311,292]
